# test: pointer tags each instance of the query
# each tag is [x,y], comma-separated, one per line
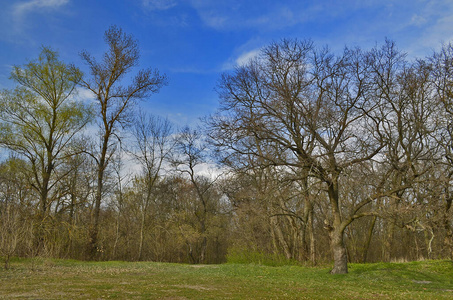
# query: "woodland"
[314,156]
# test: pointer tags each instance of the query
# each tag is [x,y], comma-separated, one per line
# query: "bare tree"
[442,77]
[190,154]
[153,145]
[14,203]
[115,100]
[314,108]
[12,231]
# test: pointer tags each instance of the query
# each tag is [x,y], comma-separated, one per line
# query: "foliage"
[40,118]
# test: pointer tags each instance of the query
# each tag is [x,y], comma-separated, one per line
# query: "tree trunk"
[42,214]
[93,246]
[43,196]
[388,241]
[448,241]
[280,239]
[150,183]
[117,234]
[366,247]
[336,232]
[311,233]
[142,236]
[204,245]
[339,252]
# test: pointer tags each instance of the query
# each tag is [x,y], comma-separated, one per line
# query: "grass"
[68,279]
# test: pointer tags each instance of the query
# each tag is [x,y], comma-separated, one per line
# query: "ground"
[67,279]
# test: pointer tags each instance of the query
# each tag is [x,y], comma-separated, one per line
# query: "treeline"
[320,156]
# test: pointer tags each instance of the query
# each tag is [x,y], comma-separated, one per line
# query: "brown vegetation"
[344,157]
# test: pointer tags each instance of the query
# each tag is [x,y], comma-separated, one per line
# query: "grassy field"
[65,279]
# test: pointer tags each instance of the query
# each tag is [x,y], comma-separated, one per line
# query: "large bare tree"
[115,94]
[442,77]
[315,109]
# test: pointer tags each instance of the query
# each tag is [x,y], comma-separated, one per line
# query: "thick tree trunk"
[43,198]
[336,232]
[340,257]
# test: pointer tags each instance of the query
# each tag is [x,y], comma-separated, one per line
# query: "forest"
[312,156]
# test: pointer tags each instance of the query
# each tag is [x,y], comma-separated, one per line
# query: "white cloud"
[84,95]
[240,60]
[209,170]
[159,4]
[23,8]
[244,58]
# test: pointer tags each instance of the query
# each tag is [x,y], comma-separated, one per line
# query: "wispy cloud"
[234,14]
[22,8]
[418,20]
[270,15]
[431,24]
[18,14]
[159,4]
[240,60]
[244,58]
[247,14]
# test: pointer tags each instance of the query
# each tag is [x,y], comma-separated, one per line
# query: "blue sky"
[194,41]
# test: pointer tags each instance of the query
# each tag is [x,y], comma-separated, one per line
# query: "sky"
[194,41]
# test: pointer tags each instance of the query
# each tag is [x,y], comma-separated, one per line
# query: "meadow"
[69,279]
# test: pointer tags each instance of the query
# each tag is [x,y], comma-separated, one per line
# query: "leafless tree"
[442,77]
[153,145]
[190,154]
[314,108]
[115,100]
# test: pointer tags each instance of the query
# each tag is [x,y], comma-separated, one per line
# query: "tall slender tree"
[152,147]
[115,100]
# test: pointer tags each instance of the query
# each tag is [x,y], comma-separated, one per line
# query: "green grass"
[69,279]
